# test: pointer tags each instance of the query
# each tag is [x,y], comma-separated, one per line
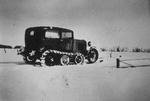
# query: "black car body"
[54,38]
[55,45]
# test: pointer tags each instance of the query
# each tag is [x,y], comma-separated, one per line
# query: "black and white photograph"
[74,50]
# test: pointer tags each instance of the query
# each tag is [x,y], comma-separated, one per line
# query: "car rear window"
[32,33]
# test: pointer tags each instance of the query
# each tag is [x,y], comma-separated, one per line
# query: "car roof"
[48,28]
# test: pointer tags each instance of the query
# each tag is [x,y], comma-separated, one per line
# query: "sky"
[106,23]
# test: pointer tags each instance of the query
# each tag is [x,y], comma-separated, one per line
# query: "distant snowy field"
[101,81]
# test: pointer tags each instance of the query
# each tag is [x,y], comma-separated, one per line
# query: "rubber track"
[56,52]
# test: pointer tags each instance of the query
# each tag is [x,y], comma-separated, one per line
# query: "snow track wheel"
[79,59]
[64,60]
[49,60]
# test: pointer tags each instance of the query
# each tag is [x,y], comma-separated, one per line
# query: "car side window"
[51,34]
[66,35]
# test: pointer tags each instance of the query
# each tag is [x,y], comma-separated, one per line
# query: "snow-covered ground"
[101,81]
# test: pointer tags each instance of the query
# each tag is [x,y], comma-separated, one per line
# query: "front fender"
[92,47]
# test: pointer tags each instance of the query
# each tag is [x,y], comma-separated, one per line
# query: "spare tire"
[29,59]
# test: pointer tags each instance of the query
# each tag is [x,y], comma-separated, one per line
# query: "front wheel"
[92,55]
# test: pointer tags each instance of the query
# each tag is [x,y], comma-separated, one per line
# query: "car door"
[66,41]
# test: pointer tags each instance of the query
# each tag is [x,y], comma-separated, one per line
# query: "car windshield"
[66,35]
[51,34]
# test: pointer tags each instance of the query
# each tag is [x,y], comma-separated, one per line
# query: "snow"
[101,81]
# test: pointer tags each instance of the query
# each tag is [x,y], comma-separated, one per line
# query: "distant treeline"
[125,49]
